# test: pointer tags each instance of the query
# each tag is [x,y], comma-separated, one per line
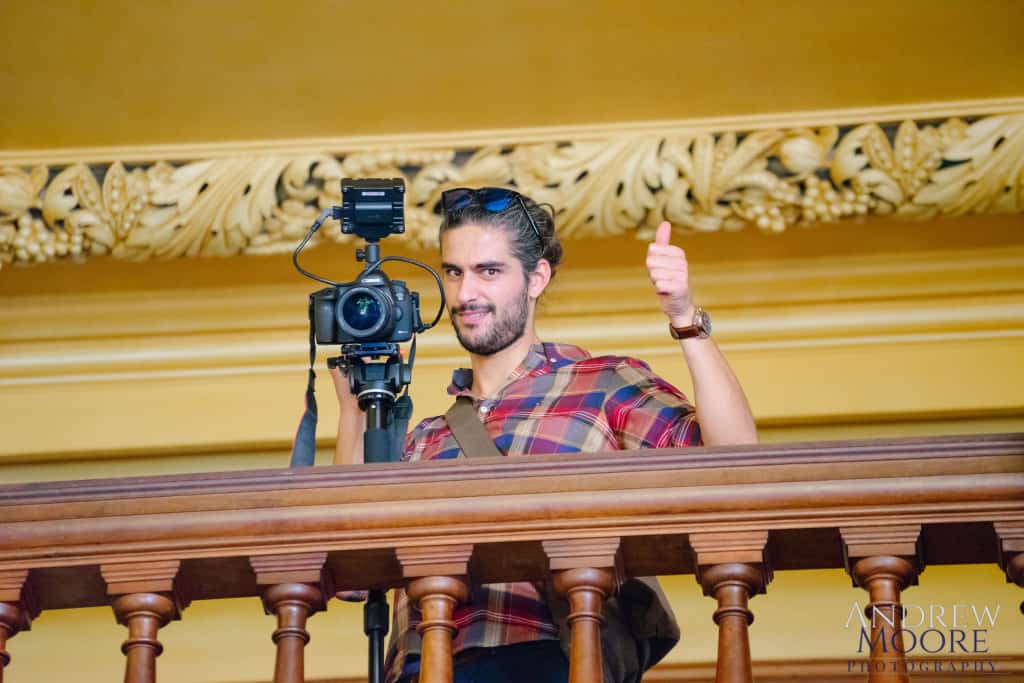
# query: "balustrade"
[882,509]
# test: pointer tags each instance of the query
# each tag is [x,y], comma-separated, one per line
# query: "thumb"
[663,234]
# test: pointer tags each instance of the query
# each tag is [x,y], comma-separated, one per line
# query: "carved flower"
[804,151]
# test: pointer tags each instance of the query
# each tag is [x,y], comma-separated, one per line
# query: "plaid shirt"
[559,400]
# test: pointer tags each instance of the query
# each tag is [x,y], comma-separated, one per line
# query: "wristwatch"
[701,326]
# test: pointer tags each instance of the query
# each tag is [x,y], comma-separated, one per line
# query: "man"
[499,252]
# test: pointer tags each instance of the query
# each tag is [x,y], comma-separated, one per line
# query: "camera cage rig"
[379,385]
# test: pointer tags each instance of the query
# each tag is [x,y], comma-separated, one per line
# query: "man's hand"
[666,264]
[346,398]
[351,422]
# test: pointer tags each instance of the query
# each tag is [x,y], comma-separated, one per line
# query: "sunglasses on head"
[491,199]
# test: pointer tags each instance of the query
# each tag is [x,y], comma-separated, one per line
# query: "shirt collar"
[541,358]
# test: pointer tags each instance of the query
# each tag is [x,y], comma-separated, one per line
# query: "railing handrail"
[843,451]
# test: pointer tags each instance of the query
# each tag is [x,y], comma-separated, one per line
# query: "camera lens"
[362,312]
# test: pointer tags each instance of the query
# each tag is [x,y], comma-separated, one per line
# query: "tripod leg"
[375,625]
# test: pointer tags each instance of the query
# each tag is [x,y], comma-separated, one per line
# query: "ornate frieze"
[628,180]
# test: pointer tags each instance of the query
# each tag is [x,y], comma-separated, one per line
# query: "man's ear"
[538,280]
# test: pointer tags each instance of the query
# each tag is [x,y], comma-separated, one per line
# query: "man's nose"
[468,290]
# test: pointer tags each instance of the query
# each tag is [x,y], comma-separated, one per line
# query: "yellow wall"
[195,71]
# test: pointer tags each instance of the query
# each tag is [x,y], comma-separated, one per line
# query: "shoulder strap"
[468,431]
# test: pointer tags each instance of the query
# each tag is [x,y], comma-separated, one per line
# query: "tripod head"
[379,386]
[373,381]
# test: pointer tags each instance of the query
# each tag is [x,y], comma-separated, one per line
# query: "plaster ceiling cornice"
[773,173]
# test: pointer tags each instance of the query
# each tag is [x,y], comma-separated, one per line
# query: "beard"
[507,329]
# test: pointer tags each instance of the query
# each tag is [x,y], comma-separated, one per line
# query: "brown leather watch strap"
[700,327]
[683,332]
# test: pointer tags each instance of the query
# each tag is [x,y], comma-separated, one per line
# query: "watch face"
[704,322]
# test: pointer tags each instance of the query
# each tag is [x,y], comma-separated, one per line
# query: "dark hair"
[525,246]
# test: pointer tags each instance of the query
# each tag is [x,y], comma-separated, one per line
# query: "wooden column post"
[732,568]
[18,607]
[436,581]
[587,572]
[295,587]
[884,561]
[145,596]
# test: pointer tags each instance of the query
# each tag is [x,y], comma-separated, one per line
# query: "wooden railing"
[149,545]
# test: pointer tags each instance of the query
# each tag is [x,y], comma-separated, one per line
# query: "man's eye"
[452,272]
[491,271]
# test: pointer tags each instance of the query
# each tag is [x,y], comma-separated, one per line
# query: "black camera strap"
[304,446]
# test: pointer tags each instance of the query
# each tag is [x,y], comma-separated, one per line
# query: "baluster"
[436,581]
[732,568]
[145,597]
[18,607]
[295,588]
[884,561]
[587,572]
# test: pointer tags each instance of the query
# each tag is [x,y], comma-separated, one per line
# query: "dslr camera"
[373,308]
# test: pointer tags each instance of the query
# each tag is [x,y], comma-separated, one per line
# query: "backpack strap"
[468,430]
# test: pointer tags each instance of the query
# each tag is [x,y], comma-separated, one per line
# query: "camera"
[369,317]
[372,309]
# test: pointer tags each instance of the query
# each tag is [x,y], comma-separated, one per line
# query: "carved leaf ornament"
[707,182]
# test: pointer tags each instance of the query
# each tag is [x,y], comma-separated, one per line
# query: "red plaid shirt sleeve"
[648,412]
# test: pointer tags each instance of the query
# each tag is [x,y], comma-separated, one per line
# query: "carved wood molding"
[141,577]
[745,546]
[582,553]
[16,589]
[148,581]
[902,540]
[299,568]
[435,561]
[713,552]
[774,174]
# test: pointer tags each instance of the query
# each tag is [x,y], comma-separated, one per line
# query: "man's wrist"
[685,319]
[698,325]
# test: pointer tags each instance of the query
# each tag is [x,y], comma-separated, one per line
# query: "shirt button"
[485,409]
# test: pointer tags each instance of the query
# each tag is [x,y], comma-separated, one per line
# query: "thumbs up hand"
[666,264]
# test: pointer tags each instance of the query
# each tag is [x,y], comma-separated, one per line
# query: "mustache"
[469,308]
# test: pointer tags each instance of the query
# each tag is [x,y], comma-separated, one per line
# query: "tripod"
[377,385]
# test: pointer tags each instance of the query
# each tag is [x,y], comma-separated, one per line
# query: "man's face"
[485,287]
